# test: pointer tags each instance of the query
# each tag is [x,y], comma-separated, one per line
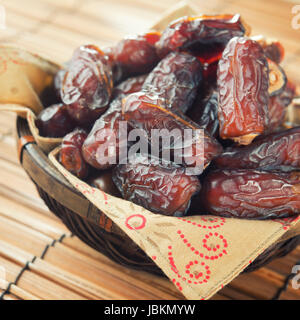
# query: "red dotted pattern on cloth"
[90,190]
[210,252]
[286,222]
[138,227]
[196,272]
[213,223]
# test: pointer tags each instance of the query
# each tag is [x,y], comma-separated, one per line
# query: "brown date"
[252,194]
[54,121]
[194,151]
[104,182]
[58,80]
[243,82]
[128,86]
[87,84]
[278,106]
[133,56]
[162,188]
[70,154]
[176,79]
[101,148]
[205,113]
[205,35]
[275,151]
[273,49]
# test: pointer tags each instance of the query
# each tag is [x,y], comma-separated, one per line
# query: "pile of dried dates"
[203,74]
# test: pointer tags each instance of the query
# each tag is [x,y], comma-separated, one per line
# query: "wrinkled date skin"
[133,56]
[243,82]
[276,151]
[205,35]
[87,84]
[129,86]
[205,113]
[71,156]
[103,137]
[54,122]
[58,81]
[252,194]
[164,189]
[176,78]
[198,150]
[104,182]
[278,105]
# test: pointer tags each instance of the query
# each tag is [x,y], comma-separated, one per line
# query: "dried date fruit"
[278,106]
[70,154]
[195,150]
[128,86]
[273,49]
[133,56]
[176,78]
[206,35]
[162,188]
[276,151]
[54,121]
[277,112]
[101,148]
[87,83]
[277,78]
[58,81]
[83,116]
[243,91]
[205,113]
[252,194]
[104,182]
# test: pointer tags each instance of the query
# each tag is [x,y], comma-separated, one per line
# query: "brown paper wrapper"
[23,77]
[199,254]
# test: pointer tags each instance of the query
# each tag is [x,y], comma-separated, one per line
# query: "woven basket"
[84,220]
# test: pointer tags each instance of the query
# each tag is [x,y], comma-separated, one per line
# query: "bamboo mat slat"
[35,247]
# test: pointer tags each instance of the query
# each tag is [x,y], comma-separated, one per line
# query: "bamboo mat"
[41,259]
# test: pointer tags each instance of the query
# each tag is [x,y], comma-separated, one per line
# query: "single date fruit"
[129,86]
[278,106]
[273,49]
[276,151]
[162,188]
[133,56]
[87,84]
[101,148]
[104,182]
[207,36]
[277,78]
[205,113]
[70,154]
[195,150]
[54,121]
[176,78]
[252,194]
[243,91]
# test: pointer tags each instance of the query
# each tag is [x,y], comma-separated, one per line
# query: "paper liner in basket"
[23,77]
[199,254]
